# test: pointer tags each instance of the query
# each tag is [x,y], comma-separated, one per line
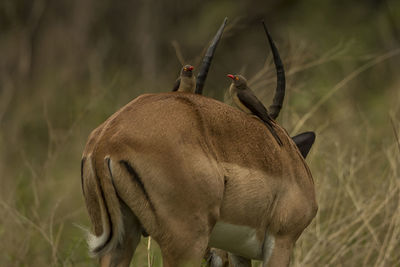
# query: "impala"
[193,172]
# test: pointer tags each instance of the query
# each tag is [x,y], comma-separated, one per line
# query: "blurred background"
[67,65]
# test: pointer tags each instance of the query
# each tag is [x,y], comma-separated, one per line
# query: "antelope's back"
[168,122]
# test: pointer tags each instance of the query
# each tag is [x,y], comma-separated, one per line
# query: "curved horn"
[280,79]
[205,65]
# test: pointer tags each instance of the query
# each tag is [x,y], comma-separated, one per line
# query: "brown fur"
[199,161]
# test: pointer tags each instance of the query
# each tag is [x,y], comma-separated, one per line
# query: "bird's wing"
[176,85]
[257,108]
[253,104]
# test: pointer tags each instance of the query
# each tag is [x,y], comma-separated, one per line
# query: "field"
[67,66]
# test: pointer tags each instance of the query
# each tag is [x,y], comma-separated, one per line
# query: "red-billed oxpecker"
[245,99]
[186,81]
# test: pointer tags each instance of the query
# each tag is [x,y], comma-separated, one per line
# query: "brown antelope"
[193,172]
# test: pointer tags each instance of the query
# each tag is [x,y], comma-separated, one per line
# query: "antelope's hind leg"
[280,240]
[220,258]
[216,258]
[121,254]
[184,248]
[280,252]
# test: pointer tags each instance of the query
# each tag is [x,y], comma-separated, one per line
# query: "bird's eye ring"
[236,78]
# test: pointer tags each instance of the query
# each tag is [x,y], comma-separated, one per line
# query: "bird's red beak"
[191,68]
[231,76]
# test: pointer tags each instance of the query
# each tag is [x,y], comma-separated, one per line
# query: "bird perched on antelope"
[186,81]
[245,99]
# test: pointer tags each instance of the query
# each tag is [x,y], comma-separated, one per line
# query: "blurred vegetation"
[67,65]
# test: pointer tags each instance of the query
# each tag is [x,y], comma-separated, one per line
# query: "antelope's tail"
[109,189]
[103,206]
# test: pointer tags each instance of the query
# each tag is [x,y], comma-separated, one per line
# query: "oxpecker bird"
[186,81]
[245,99]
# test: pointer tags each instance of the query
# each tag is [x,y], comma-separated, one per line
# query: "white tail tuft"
[94,242]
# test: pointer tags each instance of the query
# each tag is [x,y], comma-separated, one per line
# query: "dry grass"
[358,220]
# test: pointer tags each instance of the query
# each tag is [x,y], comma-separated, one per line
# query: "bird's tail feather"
[274,134]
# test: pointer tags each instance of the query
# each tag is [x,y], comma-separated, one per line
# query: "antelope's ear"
[304,142]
